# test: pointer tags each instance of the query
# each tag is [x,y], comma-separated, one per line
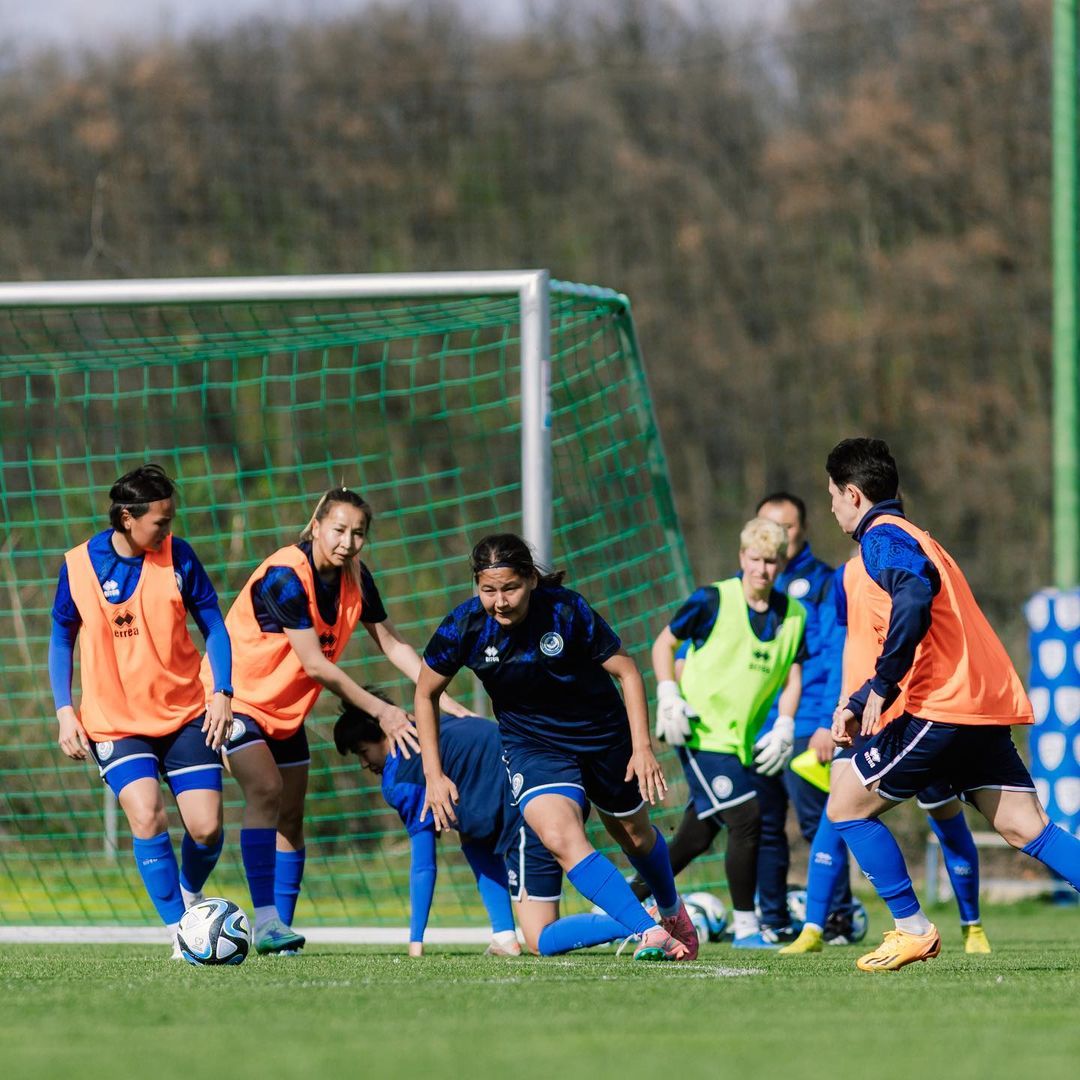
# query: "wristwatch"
[224,692]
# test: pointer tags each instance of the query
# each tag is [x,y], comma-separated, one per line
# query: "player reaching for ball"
[125,595]
[549,663]
[289,626]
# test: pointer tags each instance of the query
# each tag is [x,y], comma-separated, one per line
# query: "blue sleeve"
[281,602]
[896,563]
[200,598]
[408,800]
[64,610]
[61,653]
[839,597]
[445,651]
[697,616]
[422,874]
[831,637]
[592,635]
[371,605]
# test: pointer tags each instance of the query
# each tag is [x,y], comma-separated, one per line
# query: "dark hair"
[866,464]
[136,490]
[331,498]
[784,497]
[356,725]
[510,551]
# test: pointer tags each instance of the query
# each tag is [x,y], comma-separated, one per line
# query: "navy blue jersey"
[281,601]
[472,757]
[694,621]
[544,676]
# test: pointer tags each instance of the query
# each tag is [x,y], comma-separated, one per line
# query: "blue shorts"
[596,777]
[288,752]
[936,794]
[909,755]
[716,781]
[530,868]
[182,757]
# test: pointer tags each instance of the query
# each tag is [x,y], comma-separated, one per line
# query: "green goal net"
[255,407]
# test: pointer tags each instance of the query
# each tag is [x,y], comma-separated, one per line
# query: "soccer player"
[125,594]
[828,855]
[748,644]
[549,663]
[505,855]
[289,626]
[913,620]
[810,580]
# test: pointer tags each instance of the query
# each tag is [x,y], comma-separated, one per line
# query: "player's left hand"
[844,726]
[774,750]
[398,726]
[218,720]
[440,795]
[650,777]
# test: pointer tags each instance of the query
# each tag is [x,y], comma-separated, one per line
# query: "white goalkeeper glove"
[773,751]
[672,714]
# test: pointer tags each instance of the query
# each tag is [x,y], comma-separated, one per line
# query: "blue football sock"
[1059,850]
[655,868]
[579,932]
[288,873]
[962,862]
[156,861]
[490,873]
[197,861]
[598,880]
[258,855]
[879,856]
[828,863]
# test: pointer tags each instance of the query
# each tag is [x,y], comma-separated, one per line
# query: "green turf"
[123,1011]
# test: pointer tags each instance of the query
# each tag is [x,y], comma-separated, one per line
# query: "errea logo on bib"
[551,644]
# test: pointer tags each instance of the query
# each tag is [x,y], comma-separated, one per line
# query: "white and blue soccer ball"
[708,914]
[796,905]
[214,931]
[860,922]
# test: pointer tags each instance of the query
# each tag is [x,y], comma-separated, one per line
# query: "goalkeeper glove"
[773,751]
[672,714]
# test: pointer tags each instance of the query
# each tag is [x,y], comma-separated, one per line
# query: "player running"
[505,855]
[289,626]
[126,594]
[911,610]
[548,661]
[747,644]
[828,864]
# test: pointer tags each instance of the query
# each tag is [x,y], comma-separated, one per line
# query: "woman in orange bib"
[126,594]
[289,626]
[939,705]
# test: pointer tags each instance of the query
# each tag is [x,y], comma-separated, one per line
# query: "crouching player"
[548,661]
[747,645]
[505,855]
[912,610]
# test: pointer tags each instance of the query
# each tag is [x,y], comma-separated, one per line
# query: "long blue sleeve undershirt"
[422,874]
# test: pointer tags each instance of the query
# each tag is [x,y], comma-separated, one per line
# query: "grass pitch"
[85,1012]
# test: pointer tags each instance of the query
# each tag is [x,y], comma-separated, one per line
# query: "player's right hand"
[440,795]
[672,714]
[72,740]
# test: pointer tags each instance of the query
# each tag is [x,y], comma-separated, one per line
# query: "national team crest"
[517,782]
[236,730]
[798,588]
[105,750]
[551,644]
[723,786]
